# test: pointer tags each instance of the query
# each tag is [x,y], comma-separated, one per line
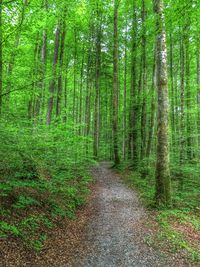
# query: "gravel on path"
[115,232]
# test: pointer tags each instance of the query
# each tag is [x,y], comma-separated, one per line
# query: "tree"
[163,183]
[97,83]
[133,114]
[61,59]
[53,80]
[115,85]
[143,82]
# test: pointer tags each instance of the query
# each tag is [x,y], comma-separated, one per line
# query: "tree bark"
[172,92]
[97,90]
[188,96]
[182,96]
[61,56]
[133,114]
[53,81]
[153,111]
[81,94]
[144,83]
[75,63]
[115,86]
[125,98]
[163,182]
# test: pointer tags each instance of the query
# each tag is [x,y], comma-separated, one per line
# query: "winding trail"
[115,236]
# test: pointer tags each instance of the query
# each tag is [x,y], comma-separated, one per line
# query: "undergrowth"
[180,225]
[30,208]
[43,178]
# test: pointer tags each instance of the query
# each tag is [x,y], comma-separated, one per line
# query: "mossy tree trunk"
[163,183]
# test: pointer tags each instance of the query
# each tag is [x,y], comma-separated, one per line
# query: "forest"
[86,83]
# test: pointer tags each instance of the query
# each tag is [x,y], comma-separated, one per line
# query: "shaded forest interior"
[89,80]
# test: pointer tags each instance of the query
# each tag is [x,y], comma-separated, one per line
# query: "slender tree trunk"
[75,66]
[133,115]
[188,98]
[81,96]
[87,118]
[97,95]
[125,99]
[182,88]
[163,183]
[40,98]
[144,83]
[44,59]
[33,95]
[172,93]
[115,86]
[53,81]
[65,98]
[153,111]
[61,56]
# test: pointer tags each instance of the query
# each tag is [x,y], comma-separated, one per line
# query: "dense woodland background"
[79,83]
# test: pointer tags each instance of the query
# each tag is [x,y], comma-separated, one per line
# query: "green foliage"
[55,199]
[146,186]
[24,201]
[186,197]
[43,179]
[6,229]
[38,243]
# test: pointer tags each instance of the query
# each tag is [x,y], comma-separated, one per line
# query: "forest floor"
[110,231]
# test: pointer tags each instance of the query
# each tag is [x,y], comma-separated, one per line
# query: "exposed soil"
[109,232]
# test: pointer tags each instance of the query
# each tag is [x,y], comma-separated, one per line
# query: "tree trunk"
[163,183]
[75,63]
[44,59]
[115,86]
[144,83]
[182,88]
[65,98]
[97,90]
[40,101]
[87,116]
[172,93]
[188,98]
[53,81]
[33,95]
[60,80]
[153,109]
[125,98]
[133,115]
[81,95]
